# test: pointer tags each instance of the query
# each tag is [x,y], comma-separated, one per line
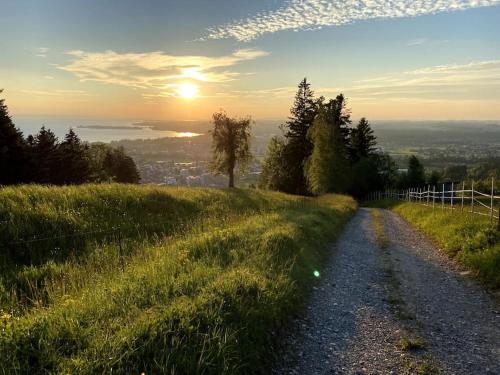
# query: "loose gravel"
[457,317]
[354,326]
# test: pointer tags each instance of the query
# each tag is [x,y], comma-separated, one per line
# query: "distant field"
[194,281]
[470,239]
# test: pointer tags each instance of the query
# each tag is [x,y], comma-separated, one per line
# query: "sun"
[187,90]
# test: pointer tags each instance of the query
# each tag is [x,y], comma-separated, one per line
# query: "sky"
[185,59]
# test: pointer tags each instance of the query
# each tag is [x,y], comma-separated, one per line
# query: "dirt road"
[402,308]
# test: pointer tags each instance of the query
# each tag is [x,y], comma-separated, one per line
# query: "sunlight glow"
[186,134]
[187,90]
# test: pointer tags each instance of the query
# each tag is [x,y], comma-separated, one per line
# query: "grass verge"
[210,297]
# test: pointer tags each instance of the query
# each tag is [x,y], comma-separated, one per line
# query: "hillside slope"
[194,281]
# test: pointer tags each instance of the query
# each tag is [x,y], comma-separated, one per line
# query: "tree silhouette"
[13,155]
[339,115]
[416,172]
[230,145]
[362,140]
[120,167]
[75,165]
[46,157]
[298,147]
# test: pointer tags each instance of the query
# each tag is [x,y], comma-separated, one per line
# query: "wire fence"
[450,196]
[37,248]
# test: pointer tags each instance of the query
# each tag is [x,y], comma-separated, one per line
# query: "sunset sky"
[185,59]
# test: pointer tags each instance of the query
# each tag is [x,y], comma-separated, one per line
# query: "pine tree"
[362,140]
[338,114]
[274,174]
[120,167]
[327,167]
[416,172]
[13,152]
[75,165]
[299,147]
[302,113]
[46,157]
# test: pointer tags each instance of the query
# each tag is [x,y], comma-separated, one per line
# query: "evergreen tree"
[74,161]
[416,172]
[340,115]
[274,174]
[434,178]
[127,170]
[298,147]
[327,167]
[362,140]
[46,157]
[230,145]
[13,155]
[120,167]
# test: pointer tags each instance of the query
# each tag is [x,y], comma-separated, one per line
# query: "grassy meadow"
[130,279]
[470,239]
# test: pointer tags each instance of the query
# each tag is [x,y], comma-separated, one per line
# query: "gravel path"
[370,298]
[459,320]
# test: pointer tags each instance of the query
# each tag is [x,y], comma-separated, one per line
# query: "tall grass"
[210,298]
[470,239]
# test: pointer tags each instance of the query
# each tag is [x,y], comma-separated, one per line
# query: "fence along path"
[446,196]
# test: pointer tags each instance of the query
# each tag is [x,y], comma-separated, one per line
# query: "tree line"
[319,152]
[42,158]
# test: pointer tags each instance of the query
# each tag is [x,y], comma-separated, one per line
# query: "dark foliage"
[416,173]
[321,153]
[120,167]
[43,159]
[363,141]
[288,174]
[13,155]
[298,147]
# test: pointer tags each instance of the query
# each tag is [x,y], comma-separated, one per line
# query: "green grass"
[378,226]
[470,239]
[204,283]
[411,343]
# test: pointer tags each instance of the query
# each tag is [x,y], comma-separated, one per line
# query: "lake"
[94,130]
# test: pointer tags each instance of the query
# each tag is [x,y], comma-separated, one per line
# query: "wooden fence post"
[463,195]
[492,190]
[472,198]
[452,193]
[498,225]
[442,199]
[434,197]
[428,193]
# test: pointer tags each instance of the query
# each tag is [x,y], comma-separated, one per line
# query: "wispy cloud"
[59,92]
[416,42]
[42,51]
[314,14]
[477,80]
[155,69]
[474,81]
